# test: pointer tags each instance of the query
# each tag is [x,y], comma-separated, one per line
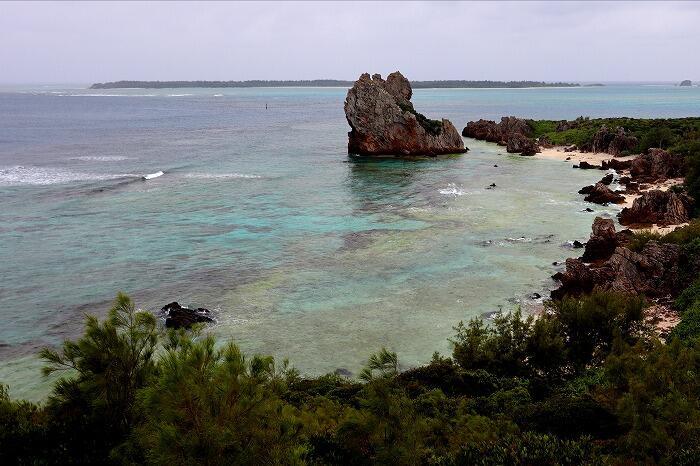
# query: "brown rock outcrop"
[613,142]
[601,194]
[657,165]
[653,272]
[512,132]
[602,242]
[519,143]
[657,207]
[383,121]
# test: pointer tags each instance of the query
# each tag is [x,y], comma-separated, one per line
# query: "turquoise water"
[261,216]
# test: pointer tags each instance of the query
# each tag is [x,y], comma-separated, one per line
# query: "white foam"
[150,176]
[19,175]
[452,190]
[221,175]
[179,95]
[100,158]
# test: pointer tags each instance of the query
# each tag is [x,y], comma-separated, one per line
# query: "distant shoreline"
[441,84]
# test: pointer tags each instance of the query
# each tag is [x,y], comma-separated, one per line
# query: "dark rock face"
[483,130]
[686,83]
[601,194]
[607,179]
[654,272]
[657,165]
[613,141]
[659,207]
[604,240]
[519,143]
[383,121]
[587,166]
[512,132]
[614,164]
[177,316]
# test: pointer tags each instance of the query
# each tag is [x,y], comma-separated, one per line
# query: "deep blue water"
[261,216]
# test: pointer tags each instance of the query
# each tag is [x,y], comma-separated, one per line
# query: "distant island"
[443,84]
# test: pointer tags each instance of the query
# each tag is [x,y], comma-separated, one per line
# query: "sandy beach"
[574,157]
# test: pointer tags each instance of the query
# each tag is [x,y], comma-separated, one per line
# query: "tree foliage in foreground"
[585,383]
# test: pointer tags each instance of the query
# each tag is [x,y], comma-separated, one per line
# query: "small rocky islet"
[384,122]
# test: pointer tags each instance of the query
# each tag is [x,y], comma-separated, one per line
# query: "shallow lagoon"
[261,216]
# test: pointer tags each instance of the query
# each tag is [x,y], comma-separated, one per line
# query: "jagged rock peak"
[383,121]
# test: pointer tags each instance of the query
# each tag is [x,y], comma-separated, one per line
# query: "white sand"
[557,153]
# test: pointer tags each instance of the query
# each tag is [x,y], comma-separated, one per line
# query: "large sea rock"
[384,122]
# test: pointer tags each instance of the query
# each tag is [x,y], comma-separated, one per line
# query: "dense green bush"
[688,329]
[688,297]
[641,238]
[584,383]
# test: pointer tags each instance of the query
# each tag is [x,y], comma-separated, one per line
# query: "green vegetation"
[433,127]
[677,135]
[585,383]
[320,83]
[681,135]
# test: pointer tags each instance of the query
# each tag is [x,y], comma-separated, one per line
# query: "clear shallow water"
[261,216]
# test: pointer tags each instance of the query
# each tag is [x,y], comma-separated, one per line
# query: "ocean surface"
[261,216]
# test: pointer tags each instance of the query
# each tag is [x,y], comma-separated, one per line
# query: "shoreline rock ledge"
[384,122]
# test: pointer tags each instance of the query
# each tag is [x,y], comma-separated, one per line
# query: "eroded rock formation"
[601,194]
[512,132]
[613,142]
[383,121]
[657,207]
[604,239]
[656,165]
[653,272]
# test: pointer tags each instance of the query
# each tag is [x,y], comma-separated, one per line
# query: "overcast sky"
[89,42]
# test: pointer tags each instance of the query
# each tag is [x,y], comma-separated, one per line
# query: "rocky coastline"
[648,186]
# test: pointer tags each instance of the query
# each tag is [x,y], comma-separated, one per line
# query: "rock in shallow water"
[177,316]
[383,121]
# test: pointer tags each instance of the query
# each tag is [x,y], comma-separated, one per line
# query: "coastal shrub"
[684,235]
[591,324]
[92,406]
[511,346]
[554,416]
[527,448]
[688,297]
[641,238]
[654,392]
[209,404]
[688,329]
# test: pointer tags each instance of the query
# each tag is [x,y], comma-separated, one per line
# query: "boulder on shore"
[604,240]
[657,207]
[383,121]
[601,194]
[177,316]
